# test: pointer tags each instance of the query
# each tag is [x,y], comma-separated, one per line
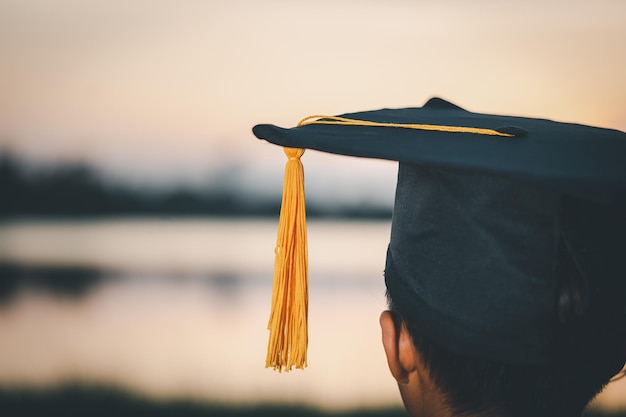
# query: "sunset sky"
[155,91]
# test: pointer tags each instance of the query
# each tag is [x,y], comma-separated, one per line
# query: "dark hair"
[588,349]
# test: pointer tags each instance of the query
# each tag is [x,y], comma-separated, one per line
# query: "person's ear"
[398,346]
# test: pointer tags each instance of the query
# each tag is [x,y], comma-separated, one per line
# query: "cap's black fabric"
[571,156]
[472,261]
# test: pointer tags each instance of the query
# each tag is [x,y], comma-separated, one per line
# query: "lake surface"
[178,308]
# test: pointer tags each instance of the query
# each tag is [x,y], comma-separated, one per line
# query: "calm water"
[178,308]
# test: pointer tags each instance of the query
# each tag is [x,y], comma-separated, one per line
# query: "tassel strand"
[289,314]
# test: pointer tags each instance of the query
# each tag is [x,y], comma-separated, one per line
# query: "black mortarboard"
[484,204]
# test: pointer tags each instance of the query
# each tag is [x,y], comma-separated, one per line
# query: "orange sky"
[163,90]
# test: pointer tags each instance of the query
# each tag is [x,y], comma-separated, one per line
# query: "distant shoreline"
[77,191]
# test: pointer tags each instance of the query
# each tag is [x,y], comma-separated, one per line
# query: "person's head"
[587,349]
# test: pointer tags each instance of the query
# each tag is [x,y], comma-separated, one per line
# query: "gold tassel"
[288,318]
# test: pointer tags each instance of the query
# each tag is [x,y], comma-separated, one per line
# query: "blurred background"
[138,213]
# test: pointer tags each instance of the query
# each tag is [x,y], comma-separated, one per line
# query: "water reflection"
[159,320]
[196,336]
[227,285]
[60,281]
[76,282]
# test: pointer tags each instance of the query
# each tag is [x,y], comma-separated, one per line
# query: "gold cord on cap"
[344,121]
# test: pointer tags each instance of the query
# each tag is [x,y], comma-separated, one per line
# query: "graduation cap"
[484,206]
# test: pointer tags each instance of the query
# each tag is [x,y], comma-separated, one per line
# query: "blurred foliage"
[77,191]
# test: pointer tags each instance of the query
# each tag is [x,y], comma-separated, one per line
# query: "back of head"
[588,344]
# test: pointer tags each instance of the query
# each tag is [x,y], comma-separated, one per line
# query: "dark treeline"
[77,191]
